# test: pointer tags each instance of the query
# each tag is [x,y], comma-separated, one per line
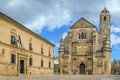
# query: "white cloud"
[64,35]
[38,24]
[114,6]
[52,20]
[115,39]
[52,14]
[115,29]
[14,3]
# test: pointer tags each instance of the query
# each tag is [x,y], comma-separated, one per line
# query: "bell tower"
[105,40]
[105,23]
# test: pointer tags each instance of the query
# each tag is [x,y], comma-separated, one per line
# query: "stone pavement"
[64,77]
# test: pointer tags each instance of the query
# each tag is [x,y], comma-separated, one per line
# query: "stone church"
[85,50]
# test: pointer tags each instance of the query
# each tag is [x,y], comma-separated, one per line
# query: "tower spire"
[105,10]
[105,5]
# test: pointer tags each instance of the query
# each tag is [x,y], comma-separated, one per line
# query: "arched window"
[104,18]
[82,36]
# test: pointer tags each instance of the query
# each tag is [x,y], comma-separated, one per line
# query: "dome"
[105,11]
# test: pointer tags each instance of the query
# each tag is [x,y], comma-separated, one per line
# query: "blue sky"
[52,19]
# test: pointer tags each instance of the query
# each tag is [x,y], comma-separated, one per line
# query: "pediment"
[82,23]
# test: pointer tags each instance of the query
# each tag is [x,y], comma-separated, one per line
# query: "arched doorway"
[82,68]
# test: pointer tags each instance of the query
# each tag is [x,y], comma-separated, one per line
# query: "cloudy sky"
[53,18]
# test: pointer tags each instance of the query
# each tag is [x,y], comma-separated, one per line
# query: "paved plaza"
[64,77]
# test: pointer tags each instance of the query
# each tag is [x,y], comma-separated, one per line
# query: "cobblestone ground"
[64,77]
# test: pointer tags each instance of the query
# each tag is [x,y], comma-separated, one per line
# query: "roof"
[85,21]
[2,15]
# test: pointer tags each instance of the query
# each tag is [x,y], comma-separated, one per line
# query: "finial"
[105,10]
[105,7]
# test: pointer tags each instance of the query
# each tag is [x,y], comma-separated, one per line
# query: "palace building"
[22,52]
[85,50]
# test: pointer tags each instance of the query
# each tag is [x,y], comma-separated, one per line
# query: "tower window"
[104,18]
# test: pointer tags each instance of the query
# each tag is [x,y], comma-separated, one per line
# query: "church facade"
[85,50]
[22,52]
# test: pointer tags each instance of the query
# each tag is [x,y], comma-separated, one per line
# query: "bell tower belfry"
[105,23]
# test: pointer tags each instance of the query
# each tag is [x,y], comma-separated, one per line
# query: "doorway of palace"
[22,66]
[82,68]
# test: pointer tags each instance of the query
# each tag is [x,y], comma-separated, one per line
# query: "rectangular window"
[30,61]
[42,63]
[13,58]
[13,40]
[79,36]
[42,51]
[49,53]
[49,64]
[30,47]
